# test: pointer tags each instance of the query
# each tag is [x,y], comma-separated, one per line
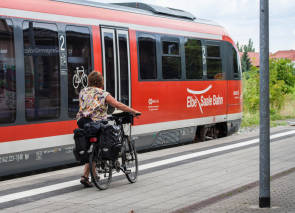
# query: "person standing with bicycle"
[93,103]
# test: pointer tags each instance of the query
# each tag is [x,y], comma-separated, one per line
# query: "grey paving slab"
[282,199]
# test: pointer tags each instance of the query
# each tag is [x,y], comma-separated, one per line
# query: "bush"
[251,90]
[281,83]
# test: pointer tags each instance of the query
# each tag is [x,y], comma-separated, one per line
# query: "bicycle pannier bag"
[92,129]
[81,146]
[111,142]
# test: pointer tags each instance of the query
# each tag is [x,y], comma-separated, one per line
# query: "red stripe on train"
[30,131]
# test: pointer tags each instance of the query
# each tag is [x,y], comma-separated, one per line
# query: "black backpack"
[110,141]
[81,145]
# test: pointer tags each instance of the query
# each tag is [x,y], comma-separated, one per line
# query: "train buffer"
[213,176]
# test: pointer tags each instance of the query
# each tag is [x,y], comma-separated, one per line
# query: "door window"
[123,68]
[110,63]
[79,64]
[116,63]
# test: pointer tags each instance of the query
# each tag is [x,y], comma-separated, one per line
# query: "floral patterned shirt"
[92,101]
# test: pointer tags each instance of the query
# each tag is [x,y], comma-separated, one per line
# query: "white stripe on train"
[96,22]
[61,140]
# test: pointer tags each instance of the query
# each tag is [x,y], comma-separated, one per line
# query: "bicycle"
[101,169]
[80,77]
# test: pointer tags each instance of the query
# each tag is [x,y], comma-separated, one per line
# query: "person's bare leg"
[84,179]
[86,170]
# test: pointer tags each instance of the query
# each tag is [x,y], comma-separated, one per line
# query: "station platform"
[213,176]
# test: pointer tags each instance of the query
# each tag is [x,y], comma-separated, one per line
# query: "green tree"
[240,48]
[285,71]
[249,47]
[245,62]
[251,90]
[246,48]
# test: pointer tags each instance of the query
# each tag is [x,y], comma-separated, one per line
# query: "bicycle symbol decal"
[80,78]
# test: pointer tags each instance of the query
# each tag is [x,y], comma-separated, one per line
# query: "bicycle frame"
[106,167]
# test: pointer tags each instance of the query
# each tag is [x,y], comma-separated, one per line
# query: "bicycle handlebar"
[137,114]
[123,117]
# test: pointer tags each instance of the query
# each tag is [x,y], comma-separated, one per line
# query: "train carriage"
[181,72]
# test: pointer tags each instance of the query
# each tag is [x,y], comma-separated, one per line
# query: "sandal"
[85,181]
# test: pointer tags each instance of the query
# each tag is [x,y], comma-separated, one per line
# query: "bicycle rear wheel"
[100,170]
[130,161]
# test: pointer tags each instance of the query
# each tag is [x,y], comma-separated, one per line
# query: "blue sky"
[241,18]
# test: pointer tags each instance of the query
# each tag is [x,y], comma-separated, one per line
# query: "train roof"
[132,15]
[142,8]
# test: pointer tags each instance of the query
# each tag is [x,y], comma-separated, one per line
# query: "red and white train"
[181,72]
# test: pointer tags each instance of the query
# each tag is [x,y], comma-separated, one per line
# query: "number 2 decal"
[204,54]
[62,43]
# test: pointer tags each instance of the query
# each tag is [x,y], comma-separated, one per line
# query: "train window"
[147,57]
[124,68]
[171,60]
[235,64]
[193,59]
[41,60]
[170,48]
[213,51]
[109,62]
[214,64]
[7,73]
[79,64]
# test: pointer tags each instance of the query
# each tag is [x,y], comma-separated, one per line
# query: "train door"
[116,63]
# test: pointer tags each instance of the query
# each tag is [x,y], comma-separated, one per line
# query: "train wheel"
[222,130]
[201,133]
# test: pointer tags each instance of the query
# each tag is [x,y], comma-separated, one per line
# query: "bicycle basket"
[110,142]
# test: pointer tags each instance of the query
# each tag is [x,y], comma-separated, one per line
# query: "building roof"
[289,54]
[254,56]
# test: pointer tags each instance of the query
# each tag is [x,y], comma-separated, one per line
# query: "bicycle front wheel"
[76,81]
[100,170]
[130,161]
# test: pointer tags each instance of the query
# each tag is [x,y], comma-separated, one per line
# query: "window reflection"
[7,73]
[214,63]
[171,60]
[147,57]
[41,60]
[193,59]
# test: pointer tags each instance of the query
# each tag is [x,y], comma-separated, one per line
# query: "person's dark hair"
[95,79]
